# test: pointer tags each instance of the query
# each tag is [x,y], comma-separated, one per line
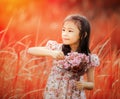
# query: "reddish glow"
[26,23]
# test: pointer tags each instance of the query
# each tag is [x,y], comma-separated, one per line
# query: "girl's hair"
[84,28]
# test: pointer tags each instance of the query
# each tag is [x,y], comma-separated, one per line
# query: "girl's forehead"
[69,24]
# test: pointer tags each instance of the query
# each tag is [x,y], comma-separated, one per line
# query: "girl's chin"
[66,42]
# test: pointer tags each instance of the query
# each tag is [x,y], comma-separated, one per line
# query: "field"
[23,25]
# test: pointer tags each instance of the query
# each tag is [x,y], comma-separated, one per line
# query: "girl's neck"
[74,47]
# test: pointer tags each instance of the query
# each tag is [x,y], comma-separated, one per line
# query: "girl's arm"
[43,51]
[90,79]
[89,85]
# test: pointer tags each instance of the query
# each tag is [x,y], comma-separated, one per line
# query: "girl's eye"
[63,29]
[70,30]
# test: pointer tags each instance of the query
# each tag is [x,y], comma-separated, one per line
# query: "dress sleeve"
[52,45]
[94,59]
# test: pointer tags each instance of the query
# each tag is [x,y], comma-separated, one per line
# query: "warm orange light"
[26,23]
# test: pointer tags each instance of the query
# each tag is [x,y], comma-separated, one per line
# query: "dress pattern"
[61,83]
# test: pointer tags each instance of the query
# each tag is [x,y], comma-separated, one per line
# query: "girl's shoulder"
[53,45]
[94,59]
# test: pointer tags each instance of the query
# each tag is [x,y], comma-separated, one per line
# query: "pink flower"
[75,62]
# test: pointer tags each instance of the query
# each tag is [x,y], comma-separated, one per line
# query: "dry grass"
[23,76]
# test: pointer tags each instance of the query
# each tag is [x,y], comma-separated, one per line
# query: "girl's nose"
[64,33]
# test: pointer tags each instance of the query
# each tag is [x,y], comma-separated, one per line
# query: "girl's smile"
[66,39]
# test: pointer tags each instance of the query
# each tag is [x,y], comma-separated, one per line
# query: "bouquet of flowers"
[75,62]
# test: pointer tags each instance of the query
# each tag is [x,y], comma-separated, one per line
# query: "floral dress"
[61,83]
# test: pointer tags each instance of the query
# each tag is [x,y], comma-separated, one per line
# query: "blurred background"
[26,23]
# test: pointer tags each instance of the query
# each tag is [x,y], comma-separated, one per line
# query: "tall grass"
[23,76]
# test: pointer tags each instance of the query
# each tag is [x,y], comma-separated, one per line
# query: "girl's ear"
[85,35]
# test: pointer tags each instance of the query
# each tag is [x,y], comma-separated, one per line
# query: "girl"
[62,83]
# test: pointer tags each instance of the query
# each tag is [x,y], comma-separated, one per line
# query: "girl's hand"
[57,55]
[84,85]
[80,85]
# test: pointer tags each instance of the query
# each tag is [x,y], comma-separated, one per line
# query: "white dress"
[61,83]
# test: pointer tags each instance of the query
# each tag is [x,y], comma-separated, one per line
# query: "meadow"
[23,76]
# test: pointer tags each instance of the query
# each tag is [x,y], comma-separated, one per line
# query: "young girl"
[62,83]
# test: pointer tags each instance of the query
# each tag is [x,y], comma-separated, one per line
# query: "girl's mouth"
[65,39]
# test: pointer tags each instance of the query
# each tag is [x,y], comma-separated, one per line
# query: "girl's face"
[70,33]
